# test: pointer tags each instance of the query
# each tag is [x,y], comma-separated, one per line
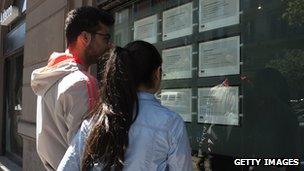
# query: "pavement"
[8,165]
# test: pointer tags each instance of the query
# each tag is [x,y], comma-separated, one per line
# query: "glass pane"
[235,74]
[21,4]
[15,38]
[13,97]
[121,28]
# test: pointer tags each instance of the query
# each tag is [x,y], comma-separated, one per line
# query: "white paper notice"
[177,63]
[218,13]
[177,22]
[179,101]
[218,105]
[146,29]
[219,57]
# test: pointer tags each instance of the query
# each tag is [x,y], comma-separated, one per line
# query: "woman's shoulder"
[155,107]
[170,113]
[158,115]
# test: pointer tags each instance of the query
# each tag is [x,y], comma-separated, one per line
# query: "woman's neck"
[148,90]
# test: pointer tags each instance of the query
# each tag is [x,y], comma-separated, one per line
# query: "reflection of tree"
[292,67]
[294,13]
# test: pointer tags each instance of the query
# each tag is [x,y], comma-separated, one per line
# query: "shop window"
[232,69]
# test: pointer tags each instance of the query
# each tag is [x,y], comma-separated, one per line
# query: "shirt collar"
[145,95]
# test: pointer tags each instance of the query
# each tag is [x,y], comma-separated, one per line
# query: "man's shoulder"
[76,79]
[78,76]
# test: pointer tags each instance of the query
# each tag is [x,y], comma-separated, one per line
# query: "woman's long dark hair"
[124,71]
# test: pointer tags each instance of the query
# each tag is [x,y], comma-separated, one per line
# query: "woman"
[129,129]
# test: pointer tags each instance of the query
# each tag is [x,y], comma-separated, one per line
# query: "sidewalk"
[8,165]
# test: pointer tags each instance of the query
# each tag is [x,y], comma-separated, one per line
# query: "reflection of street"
[290,64]
[15,138]
[13,100]
[271,117]
[298,107]
[218,105]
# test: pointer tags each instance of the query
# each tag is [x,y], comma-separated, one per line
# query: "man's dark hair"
[85,18]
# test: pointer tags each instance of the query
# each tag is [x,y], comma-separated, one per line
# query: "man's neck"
[79,54]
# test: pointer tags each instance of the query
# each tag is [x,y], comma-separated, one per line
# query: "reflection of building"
[27,42]
[218,105]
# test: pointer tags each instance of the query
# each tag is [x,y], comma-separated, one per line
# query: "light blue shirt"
[158,141]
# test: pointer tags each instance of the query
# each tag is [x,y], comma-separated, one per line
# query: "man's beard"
[90,56]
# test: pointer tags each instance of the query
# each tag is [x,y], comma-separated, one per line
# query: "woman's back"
[157,138]
[157,141]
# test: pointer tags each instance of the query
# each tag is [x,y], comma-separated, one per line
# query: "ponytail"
[125,69]
[113,115]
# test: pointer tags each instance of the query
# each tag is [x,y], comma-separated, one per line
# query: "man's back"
[65,93]
[65,90]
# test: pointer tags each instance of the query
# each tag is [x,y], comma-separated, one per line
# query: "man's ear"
[85,38]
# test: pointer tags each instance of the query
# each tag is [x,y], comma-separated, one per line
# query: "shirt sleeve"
[72,158]
[179,158]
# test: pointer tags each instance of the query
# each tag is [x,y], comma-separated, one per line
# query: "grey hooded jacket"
[65,92]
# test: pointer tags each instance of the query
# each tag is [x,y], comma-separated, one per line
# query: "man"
[65,89]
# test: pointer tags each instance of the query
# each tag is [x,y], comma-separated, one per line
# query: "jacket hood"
[59,65]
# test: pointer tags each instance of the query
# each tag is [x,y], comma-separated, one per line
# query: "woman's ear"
[157,78]
[158,73]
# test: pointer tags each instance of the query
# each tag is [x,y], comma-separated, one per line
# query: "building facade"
[26,43]
[233,69]
[12,32]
